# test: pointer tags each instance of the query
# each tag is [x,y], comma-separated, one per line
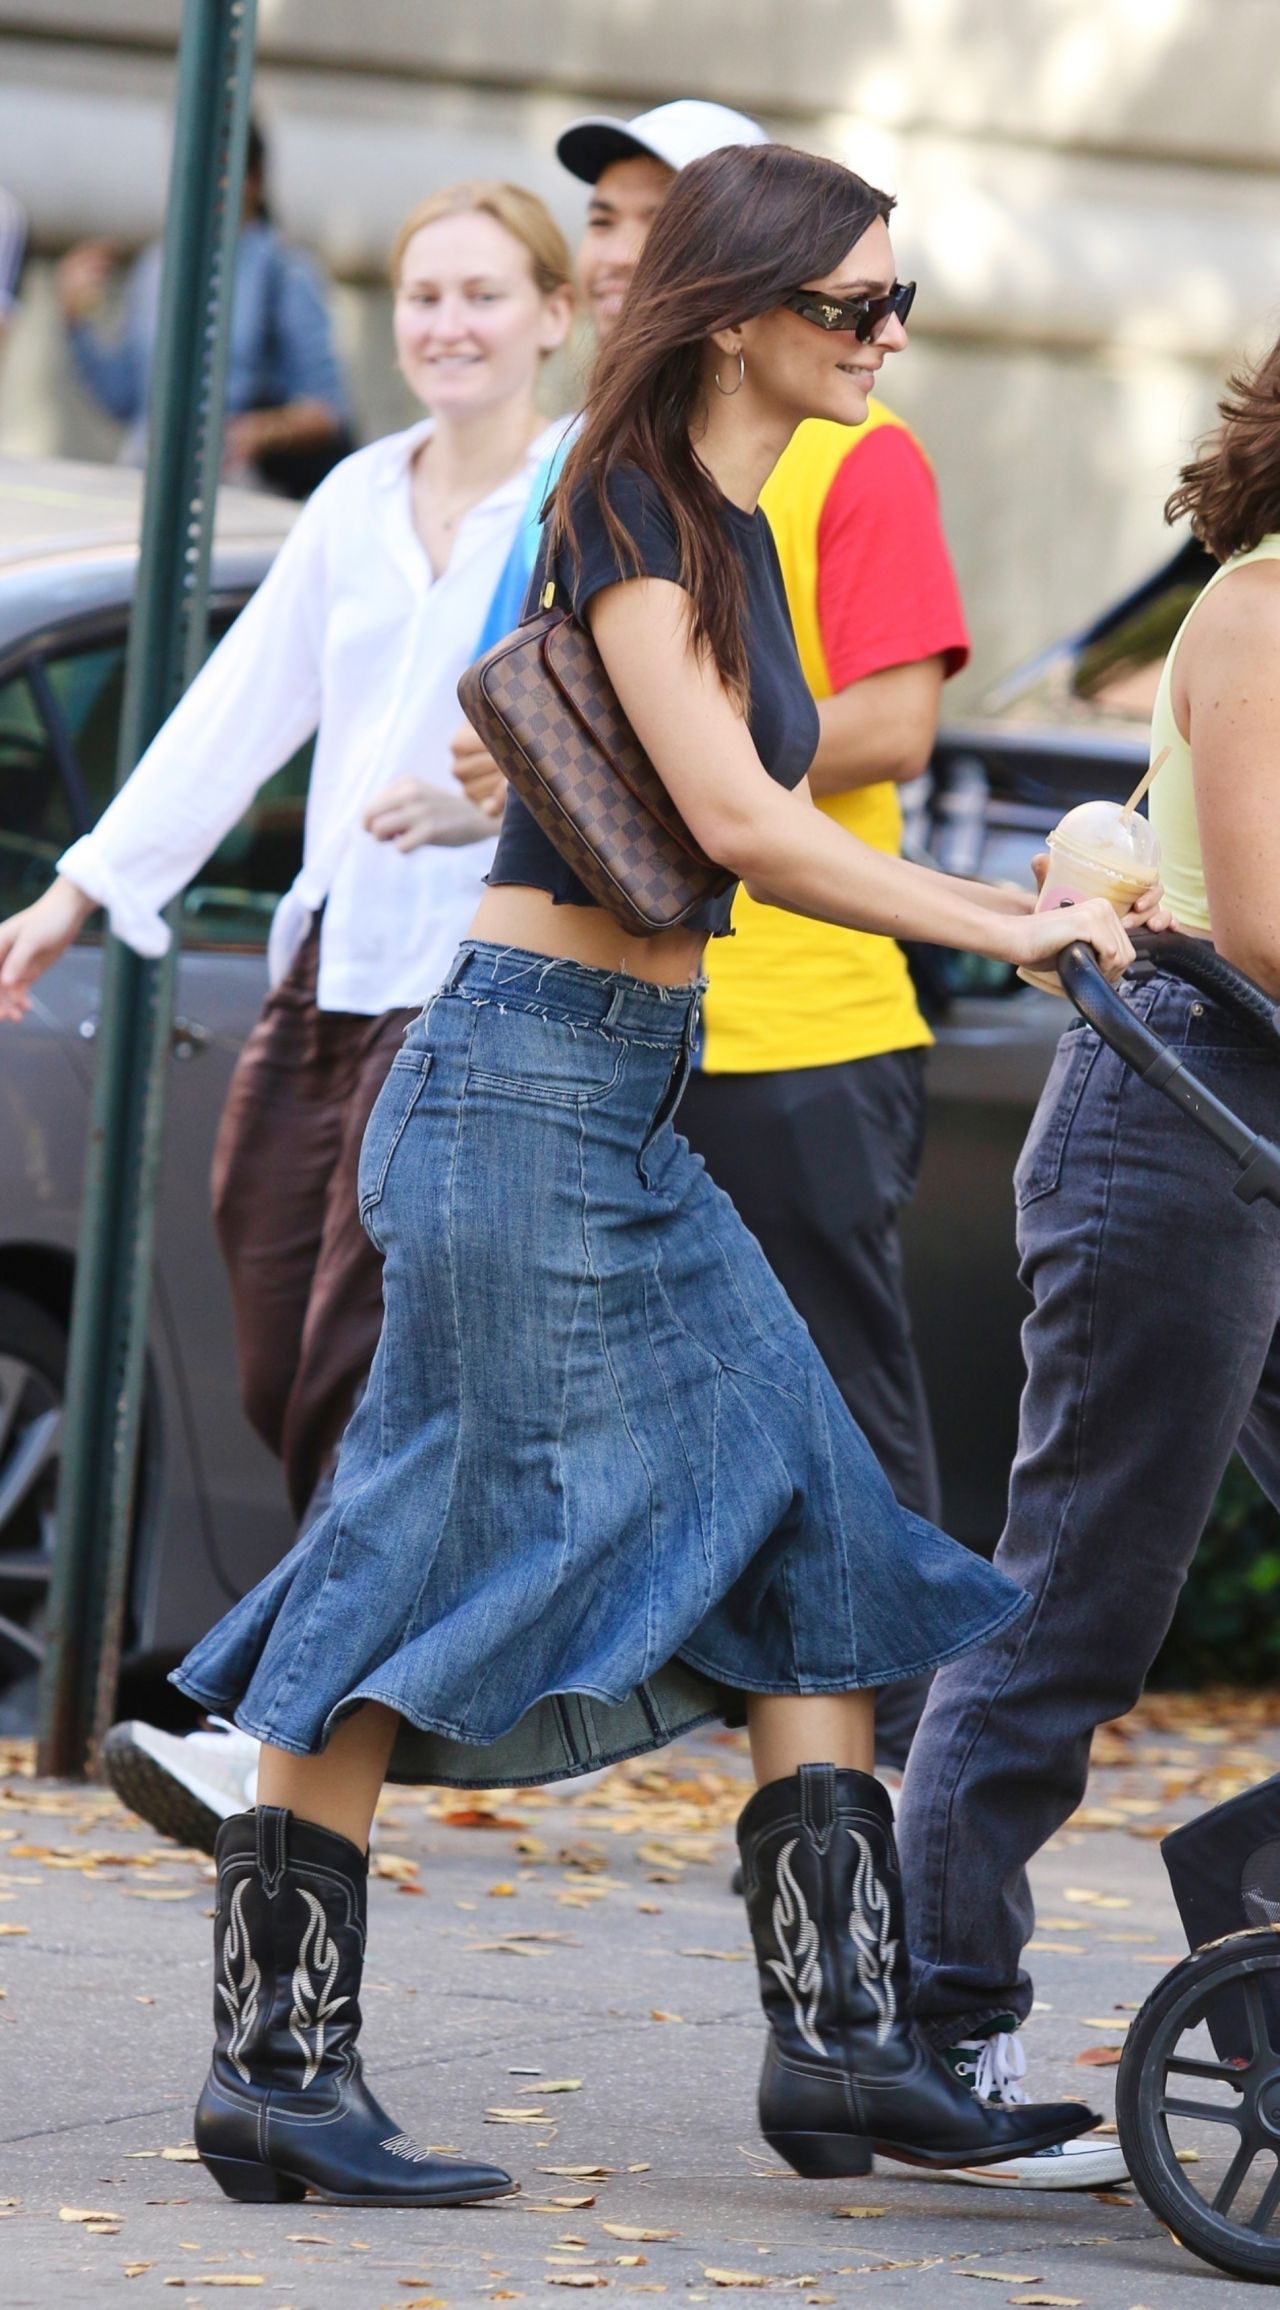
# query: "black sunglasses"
[867,317]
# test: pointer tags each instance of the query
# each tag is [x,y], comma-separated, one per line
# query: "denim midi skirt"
[600,1484]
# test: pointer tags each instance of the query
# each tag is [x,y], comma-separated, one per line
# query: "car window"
[36,821]
[87,687]
[232,899]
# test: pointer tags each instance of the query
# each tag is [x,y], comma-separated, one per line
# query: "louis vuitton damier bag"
[546,709]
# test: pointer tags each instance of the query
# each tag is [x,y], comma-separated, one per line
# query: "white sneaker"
[184,1785]
[994,2068]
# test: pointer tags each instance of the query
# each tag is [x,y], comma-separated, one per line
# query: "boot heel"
[251,2183]
[823,2157]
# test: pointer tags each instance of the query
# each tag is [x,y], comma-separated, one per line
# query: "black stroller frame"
[1224,1866]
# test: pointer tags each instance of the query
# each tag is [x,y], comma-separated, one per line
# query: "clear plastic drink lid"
[1100,832]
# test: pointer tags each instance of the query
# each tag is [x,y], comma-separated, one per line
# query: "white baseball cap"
[675,133]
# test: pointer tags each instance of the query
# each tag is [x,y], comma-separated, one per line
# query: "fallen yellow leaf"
[1049,2301]
[858,2213]
[736,2277]
[137,2269]
[85,2214]
[555,2085]
[1005,2277]
[636,2232]
[11,1932]
[655,2012]
[579,2173]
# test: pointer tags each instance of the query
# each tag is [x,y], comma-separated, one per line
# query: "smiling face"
[623,205]
[799,370]
[471,325]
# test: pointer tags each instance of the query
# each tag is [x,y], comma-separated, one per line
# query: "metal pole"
[107,1356]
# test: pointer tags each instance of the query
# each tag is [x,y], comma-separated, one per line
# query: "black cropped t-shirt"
[782,717]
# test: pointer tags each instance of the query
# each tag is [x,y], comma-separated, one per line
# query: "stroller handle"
[1257,1159]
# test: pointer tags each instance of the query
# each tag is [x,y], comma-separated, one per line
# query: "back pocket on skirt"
[394,1106]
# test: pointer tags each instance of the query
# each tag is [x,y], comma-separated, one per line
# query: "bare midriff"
[513,914]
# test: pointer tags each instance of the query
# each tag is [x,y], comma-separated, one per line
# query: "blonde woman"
[359,633]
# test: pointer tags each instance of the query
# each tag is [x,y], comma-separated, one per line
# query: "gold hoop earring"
[729,390]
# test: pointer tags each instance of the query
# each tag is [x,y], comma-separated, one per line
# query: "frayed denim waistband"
[578,993]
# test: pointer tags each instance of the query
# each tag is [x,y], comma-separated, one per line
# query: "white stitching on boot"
[240,1997]
[404,2146]
[873,1950]
[798,1969]
[306,1995]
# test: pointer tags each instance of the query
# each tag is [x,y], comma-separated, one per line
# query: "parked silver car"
[211,1515]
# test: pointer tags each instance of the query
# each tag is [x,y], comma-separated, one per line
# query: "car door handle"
[187,1038]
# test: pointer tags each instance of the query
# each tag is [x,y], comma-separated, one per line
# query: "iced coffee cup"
[1099,850]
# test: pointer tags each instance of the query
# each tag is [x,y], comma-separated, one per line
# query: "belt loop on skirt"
[457,967]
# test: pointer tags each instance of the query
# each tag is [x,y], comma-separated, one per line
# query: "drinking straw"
[1143,783]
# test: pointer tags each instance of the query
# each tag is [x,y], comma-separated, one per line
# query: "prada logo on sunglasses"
[830,314]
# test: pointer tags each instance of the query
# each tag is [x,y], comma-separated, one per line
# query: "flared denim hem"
[563,1735]
[600,1481]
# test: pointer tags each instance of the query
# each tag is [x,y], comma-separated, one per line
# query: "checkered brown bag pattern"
[545,708]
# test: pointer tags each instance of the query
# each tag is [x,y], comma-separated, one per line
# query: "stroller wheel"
[1200,2075]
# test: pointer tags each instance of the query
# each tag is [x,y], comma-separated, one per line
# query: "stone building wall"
[1087,190]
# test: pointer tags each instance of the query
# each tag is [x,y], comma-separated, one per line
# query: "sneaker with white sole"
[185,1785]
[994,2068]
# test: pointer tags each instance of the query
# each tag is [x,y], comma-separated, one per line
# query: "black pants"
[819,1162]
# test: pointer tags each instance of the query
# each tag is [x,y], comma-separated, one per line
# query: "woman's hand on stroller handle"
[1037,938]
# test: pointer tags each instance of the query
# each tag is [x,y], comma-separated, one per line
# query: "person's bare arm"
[304,424]
[1227,683]
[881,727]
[782,849]
[410,812]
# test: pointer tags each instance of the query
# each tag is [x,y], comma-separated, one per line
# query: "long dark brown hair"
[737,232]
[1231,488]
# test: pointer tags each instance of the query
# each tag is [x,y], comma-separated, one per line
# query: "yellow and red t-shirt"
[854,511]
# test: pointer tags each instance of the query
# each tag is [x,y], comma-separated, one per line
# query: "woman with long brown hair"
[600,1487]
[1152,1348]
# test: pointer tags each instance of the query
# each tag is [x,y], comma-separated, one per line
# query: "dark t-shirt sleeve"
[599,562]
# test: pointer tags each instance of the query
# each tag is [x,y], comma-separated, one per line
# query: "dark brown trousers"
[306,1283]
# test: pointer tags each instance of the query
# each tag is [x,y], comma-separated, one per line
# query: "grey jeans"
[1152,1351]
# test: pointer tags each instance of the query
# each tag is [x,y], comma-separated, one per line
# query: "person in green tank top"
[1153,1346]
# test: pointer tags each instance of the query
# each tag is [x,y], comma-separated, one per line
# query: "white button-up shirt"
[349,635]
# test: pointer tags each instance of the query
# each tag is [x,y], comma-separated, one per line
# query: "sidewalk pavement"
[561,1980]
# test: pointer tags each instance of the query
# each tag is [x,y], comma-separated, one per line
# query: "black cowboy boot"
[285,2108]
[846,2071]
